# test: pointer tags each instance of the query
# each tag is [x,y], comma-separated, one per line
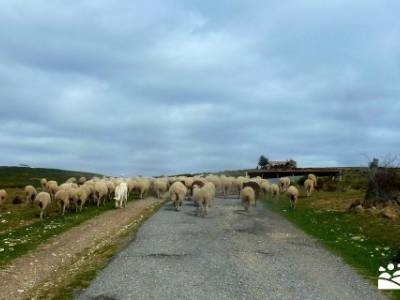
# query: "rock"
[390,213]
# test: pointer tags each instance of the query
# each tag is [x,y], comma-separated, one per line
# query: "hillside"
[16,177]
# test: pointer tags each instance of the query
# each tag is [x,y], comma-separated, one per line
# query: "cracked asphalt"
[230,254]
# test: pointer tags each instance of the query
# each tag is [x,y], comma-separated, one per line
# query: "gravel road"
[230,254]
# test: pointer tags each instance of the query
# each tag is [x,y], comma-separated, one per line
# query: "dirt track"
[48,263]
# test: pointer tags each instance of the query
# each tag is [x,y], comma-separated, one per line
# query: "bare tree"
[383,182]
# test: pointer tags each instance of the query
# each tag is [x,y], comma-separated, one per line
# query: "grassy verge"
[79,276]
[17,239]
[364,239]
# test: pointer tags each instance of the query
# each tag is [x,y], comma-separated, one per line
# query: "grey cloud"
[172,87]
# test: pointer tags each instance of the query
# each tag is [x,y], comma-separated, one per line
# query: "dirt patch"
[42,266]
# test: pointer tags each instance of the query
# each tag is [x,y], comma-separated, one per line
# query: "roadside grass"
[21,230]
[364,240]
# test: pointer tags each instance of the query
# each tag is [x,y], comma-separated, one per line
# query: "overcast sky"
[164,87]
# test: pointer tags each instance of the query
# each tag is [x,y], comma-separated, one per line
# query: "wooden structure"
[275,173]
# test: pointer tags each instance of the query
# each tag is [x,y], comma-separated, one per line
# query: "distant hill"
[16,177]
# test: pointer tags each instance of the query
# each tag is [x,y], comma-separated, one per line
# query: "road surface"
[230,254]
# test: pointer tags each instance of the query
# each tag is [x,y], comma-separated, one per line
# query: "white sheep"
[309,186]
[160,186]
[81,197]
[142,185]
[284,183]
[274,189]
[82,180]
[30,193]
[216,181]
[227,184]
[313,178]
[293,194]
[203,197]
[110,189]
[43,199]
[62,198]
[52,188]
[100,192]
[177,193]
[121,195]
[3,197]
[265,186]
[43,184]
[71,180]
[248,197]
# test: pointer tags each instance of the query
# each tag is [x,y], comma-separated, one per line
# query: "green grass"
[18,241]
[12,177]
[364,240]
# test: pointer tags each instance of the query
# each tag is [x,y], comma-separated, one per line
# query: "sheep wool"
[30,193]
[248,197]
[3,197]
[43,200]
[203,197]
[284,183]
[309,186]
[293,194]
[313,178]
[177,193]
[274,189]
[62,200]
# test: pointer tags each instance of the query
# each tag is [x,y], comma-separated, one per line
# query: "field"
[23,234]
[364,239]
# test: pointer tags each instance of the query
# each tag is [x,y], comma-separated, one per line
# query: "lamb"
[100,192]
[309,186]
[248,196]
[203,197]
[293,194]
[121,195]
[313,178]
[274,189]
[284,183]
[160,186]
[30,193]
[3,197]
[62,198]
[177,193]
[43,199]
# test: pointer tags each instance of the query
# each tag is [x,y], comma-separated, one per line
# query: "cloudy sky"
[163,87]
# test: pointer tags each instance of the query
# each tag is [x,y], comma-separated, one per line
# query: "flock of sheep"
[75,194]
